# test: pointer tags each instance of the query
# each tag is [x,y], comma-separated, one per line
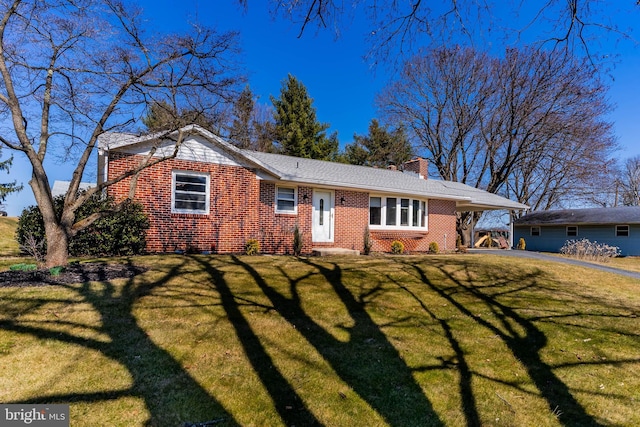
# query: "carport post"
[473,233]
[511,228]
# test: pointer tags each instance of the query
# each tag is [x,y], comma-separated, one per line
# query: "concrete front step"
[334,251]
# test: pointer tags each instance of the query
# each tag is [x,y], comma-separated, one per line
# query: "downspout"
[103,165]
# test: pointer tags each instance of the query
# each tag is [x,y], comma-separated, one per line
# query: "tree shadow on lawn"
[459,361]
[287,402]
[367,362]
[525,347]
[169,393]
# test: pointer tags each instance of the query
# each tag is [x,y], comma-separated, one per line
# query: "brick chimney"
[417,165]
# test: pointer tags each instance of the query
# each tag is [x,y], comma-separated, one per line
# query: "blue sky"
[342,85]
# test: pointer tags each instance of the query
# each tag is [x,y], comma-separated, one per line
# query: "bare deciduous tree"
[401,27]
[529,126]
[251,123]
[545,128]
[629,182]
[73,70]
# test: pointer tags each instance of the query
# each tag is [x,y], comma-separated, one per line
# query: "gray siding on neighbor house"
[553,237]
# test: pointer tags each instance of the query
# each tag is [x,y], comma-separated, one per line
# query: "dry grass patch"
[631,263]
[268,341]
[8,244]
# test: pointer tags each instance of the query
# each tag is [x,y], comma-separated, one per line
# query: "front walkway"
[552,258]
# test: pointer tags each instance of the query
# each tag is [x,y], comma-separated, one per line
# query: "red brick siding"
[242,207]
[351,218]
[233,213]
[276,230]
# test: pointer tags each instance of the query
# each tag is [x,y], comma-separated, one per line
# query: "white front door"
[322,216]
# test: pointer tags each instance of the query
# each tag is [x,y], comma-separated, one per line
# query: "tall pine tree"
[162,116]
[297,130]
[7,188]
[381,147]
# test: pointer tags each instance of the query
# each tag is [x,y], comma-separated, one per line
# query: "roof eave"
[463,203]
[479,206]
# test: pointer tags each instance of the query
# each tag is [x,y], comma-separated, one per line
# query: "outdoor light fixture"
[342,200]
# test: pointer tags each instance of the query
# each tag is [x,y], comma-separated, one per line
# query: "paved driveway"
[545,257]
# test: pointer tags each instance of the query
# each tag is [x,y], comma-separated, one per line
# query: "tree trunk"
[57,246]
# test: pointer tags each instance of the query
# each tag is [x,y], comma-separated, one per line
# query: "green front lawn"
[453,340]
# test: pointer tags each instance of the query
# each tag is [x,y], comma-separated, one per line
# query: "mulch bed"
[73,273]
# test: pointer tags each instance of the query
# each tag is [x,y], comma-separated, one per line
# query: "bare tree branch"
[529,126]
[399,29]
[80,69]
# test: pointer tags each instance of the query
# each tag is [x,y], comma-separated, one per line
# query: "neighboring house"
[547,231]
[213,197]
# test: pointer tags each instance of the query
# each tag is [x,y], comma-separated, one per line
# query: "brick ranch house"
[213,197]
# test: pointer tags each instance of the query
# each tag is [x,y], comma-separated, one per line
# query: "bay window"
[397,213]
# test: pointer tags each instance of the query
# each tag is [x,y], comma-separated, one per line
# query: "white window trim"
[295,200]
[539,231]
[207,195]
[622,225]
[383,213]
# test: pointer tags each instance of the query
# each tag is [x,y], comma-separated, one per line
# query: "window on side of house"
[375,211]
[572,230]
[622,231]
[535,231]
[190,192]
[286,200]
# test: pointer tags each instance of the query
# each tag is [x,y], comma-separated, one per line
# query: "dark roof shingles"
[595,216]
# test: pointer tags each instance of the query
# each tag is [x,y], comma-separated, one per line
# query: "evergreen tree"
[381,147]
[297,130]
[7,187]
[162,116]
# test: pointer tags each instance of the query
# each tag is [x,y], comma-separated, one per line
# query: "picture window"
[397,213]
